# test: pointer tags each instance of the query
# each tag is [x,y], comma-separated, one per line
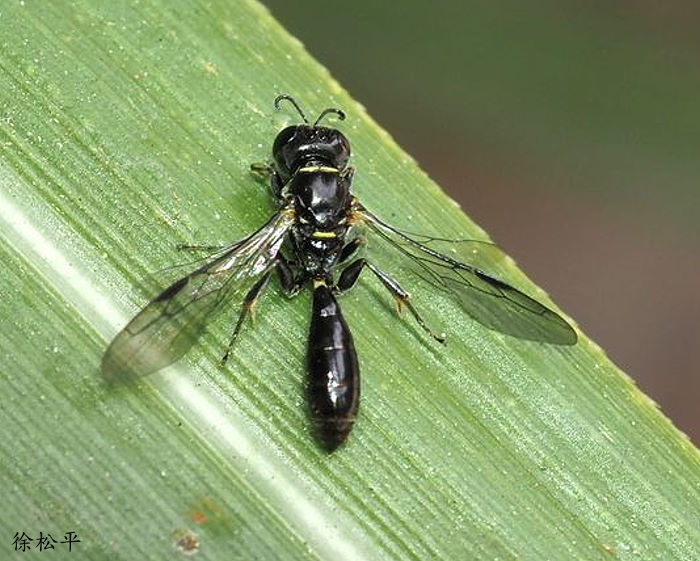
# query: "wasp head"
[301,145]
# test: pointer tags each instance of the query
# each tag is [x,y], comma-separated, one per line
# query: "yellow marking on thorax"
[314,169]
[318,235]
[319,282]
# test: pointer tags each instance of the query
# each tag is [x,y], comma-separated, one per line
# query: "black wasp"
[313,232]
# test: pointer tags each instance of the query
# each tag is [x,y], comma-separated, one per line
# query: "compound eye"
[346,146]
[284,136]
[342,150]
[280,148]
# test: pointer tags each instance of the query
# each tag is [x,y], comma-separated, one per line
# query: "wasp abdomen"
[334,376]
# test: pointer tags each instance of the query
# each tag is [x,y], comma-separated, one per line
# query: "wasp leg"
[198,247]
[265,170]
[349,249]
[262,169]
[348,173]
[351,273]
[290,284]
[248,308]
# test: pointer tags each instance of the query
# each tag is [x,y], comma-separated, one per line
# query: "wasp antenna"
[291,100]
[339,112]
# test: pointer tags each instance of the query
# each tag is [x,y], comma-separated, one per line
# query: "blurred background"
[570,131]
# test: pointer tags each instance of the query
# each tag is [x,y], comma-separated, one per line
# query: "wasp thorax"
[300,145]
[321,198]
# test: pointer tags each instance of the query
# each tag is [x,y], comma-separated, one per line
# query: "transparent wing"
[165,329]
[490,301]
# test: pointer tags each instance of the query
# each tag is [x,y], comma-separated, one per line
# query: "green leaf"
[127,128]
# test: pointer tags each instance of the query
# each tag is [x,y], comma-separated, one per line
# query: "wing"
[490,301]
[164,330]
